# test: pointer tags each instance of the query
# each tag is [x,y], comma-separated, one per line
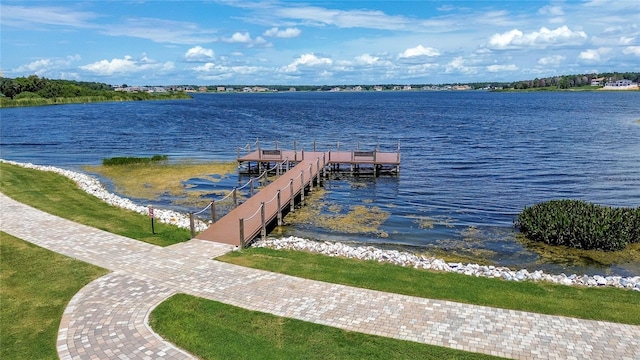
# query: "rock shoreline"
[408,259]
[92,186]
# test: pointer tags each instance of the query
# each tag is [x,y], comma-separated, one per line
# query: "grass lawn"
[608,304]
[60,196]
[211,330]
[35,286]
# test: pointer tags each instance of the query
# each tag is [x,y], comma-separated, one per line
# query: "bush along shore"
[92,186]
[580,225]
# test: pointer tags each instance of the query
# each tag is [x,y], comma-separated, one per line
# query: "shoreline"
[92,186]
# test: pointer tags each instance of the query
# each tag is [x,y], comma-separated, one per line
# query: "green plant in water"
[581,225]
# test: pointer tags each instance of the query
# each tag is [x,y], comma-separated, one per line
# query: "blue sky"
[213,42]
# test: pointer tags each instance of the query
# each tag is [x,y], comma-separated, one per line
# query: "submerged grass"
[60,196]
[36,285]
[606,304]
[212,330]
[155,179]
[358,219]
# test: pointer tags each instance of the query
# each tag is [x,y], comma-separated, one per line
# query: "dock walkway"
[252,217]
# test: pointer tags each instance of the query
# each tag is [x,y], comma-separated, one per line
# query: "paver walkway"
[108,318]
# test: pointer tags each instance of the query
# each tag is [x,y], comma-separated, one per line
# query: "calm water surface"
[470,160]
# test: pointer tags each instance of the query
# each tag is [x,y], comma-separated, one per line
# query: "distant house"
[597,81]
[221,89]
[377,88]
[292,89]
[624,83]
[202,89]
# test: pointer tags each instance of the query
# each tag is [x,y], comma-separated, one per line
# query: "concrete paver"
[108,318]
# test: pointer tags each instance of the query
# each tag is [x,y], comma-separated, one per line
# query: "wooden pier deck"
[253,217]
[250,219]
[332,157]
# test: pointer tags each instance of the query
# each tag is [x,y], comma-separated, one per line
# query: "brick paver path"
[108,318]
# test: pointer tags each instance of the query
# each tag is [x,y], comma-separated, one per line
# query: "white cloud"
[199,54]
[43,67]
[457,65]
[245,38]
[537,39]
[238,38]
[306,60]
[501,68]
[372,19]
[367,59]
[126,65]
[634,50]
[551,10]
[161,31]
[551,60]
[419,51]
[594,55]
[27,17]
[286,33]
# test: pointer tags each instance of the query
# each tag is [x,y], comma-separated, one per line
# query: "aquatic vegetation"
[358,219]
[128,160]
[154,179]
[424,222]
[629,256]
[581,225]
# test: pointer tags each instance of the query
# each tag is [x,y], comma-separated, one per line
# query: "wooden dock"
[252,218]
[297,172]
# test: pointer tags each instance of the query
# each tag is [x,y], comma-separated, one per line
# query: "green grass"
[60,196]
[608,304]
[212,330]
[36,285]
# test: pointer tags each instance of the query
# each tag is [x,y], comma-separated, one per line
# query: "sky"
[271,42]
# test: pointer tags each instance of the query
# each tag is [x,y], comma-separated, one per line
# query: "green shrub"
[133,160]
[580,224]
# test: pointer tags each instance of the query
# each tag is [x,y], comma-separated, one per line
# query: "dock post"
[292,201]
[276,144]
[213,211]
[279,208]
[314,146]
[192,225]
[295,151]
[251,186]
[310,177]
[241,228]
[263,232]
[287,165]
[301,186]
[235,196]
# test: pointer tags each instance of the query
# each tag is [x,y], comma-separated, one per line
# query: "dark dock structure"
[297,173]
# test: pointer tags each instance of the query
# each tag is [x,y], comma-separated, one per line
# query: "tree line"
[571,81]
[35,86]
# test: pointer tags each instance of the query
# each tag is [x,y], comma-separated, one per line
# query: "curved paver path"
[107,318]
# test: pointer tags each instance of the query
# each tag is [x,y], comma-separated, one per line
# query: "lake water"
[470,160]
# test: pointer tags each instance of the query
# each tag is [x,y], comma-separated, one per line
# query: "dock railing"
[278,167]
[274,207]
